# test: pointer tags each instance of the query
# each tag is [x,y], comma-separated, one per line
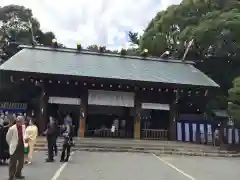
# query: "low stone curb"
[179,153]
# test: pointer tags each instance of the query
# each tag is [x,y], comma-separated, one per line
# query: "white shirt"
[12,138]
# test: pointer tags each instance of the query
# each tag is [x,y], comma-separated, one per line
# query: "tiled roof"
[89,64]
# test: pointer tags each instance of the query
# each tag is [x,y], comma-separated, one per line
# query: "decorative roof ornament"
[79,46]
[144,53]
[54,43]
[102,49]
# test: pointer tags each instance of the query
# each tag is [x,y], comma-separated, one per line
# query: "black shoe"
[11,178]
[49,160]
[61,160]
[20,177]
[66,160]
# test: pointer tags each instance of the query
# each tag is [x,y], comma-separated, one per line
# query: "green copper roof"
[88,64]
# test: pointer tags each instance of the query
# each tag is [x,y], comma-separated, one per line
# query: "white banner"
[156,106]
[111,98]
[64,100]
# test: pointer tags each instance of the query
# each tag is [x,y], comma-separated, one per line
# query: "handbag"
[26,148]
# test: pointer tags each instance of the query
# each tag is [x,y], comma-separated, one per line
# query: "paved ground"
[129,166]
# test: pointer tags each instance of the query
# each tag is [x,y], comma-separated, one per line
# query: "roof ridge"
[72,50]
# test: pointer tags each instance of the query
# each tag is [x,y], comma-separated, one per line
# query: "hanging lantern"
[54,43]
[12,79]
[79,47]
[76,83]
[101,85]
[59,82]
[206,93]
[50,81]
[93,85]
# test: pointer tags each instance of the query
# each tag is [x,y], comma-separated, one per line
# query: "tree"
[214,26]
[234,100]
[19,27]
[133,38]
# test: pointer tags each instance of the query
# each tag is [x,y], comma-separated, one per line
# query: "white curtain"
[110,98]
[156,106]
[179,131]
[64,100]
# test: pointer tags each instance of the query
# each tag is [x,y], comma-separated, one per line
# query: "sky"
[102,22]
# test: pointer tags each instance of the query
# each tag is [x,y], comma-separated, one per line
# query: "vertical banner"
[194,131]
[179,131]
[187,134]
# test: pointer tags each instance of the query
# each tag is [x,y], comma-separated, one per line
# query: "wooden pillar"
[172,123]
[137,118]
[83,112]
[173,117]
[42,112]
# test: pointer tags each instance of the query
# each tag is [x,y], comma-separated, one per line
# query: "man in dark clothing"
[4,148]
[55,148]
[51,139]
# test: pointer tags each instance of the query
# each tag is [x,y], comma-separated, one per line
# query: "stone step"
[138,147]
[143,148]
[175,145]
[157,152]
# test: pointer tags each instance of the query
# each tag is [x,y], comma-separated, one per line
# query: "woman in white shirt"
[31,134]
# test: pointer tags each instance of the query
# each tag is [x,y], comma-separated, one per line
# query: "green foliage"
[133,38]
[19,26]
[213,24]
[234,100]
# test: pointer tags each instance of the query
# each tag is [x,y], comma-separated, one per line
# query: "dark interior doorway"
[101,119]
[155,119]
[60,111]
[155,124]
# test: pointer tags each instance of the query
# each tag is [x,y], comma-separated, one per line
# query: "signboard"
[111,98]
[64,100]
[156,106]
[13,105]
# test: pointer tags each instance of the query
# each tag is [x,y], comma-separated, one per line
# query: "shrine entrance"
[61,107]
[110,114]
[155,120]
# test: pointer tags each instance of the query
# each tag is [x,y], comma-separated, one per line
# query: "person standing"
[67,143]
[51,137]
[4,148]
[15,140]
[55,147]
[30,136]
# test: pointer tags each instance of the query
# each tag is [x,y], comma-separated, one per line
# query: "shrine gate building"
[138,95]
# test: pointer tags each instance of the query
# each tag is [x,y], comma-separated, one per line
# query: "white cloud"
[93,21]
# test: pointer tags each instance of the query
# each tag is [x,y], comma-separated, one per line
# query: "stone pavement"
[130,166]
